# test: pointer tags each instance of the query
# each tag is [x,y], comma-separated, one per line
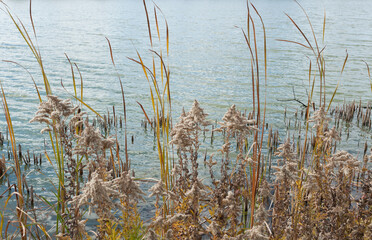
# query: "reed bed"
[259,185]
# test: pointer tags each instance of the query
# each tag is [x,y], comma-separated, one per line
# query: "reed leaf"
[338,83]
[127,166]
[369,74]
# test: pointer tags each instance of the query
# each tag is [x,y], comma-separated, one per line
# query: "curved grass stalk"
[256,175]
[20,200]
[369,74]
[34,49]
[160,100]
[127,163]
[55,138]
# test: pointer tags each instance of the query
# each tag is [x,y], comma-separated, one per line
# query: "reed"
[369,74]
[21,218]
[53,135]
[158,76]
[60,137]
[296,187]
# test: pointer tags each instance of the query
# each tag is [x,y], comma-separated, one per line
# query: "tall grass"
[21,217]
[71,140]
[369,74]
[314,192]
[158,76]
[256,173]
[57,140]
[54,136]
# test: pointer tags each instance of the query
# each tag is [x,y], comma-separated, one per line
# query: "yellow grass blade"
[20,201]
[32,78]
[324,24]
[148,21]
[22,30]
[82,102]
[73,75]
[124,109]
[311,26]
[303,45]
[166,27]
[144,112]
[81,82]
[147,70]
[369,74]
[157,24]
[338,83]
[40,226]
[343,66]
[302,33]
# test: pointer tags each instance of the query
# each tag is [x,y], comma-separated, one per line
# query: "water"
[209,60]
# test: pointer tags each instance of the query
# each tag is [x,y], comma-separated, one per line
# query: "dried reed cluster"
[328,198]
[323,200]
[105,191]
[313,192]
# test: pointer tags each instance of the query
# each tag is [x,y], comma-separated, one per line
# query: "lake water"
[209,59]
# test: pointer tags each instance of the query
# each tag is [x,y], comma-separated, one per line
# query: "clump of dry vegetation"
[313,191]
[327,199]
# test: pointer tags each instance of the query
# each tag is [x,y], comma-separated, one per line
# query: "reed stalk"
[159,87]
[21,217]
[56,140]
[258,137]
[316,192]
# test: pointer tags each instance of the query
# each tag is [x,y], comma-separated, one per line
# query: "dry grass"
[313,192]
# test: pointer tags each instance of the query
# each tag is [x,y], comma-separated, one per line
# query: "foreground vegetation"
[311,191]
